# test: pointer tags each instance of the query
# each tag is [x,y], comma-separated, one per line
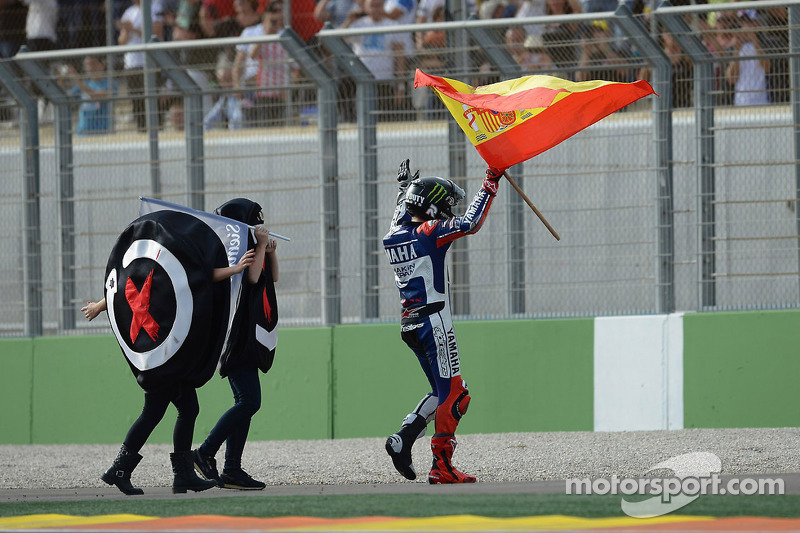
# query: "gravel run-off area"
[498,458]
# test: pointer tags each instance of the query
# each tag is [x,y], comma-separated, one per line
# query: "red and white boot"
[443,470]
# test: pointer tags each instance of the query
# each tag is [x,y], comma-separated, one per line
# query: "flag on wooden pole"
[514,120]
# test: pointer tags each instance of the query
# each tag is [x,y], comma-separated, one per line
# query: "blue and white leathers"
[417,253]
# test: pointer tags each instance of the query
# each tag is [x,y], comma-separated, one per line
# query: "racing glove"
[404,177]
[492,180]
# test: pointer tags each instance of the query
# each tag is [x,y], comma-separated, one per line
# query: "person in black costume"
[245,355]
[183,395]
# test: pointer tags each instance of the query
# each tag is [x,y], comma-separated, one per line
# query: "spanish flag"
[512,121]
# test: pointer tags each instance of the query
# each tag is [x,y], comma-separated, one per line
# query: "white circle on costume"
[184,303]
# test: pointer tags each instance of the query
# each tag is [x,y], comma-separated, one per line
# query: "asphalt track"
[214,523]
[791,486]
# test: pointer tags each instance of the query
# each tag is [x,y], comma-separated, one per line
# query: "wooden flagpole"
[530,204]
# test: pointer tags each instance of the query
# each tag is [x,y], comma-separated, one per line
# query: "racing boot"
[442,470]
[185,476]
[399,444]
[120,472]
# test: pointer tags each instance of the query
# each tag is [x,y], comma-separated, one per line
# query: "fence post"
[31,221]
[662,111]
[329,170]
[66,186]
[366,97]
[498,55]
[703,98]
[457,164]
[193,109]
[794,77]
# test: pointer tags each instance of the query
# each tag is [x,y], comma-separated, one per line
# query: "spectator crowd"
[255,84]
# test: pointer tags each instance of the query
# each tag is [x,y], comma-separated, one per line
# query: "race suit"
[417,252]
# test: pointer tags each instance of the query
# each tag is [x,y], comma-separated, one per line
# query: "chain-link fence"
[686,201]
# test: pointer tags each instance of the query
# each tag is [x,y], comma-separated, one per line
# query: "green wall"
[347,381]
[742,369]
[376,380]
[533,375]
[16,391]
[296,392]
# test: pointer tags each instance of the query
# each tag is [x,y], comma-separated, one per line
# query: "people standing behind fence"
[775,41]
[749,76]
[528,51]
[40,25]
[598,59]
[682,71]
[94,90]
[12,27]
[218,18]
[302,18]
[335,11]
[401,11]
[532,8]
[276,72]
[244,70]
[718,38]
[561,38]
[493,9]
[130,28]
[197,61]
[82,23]
[385,55]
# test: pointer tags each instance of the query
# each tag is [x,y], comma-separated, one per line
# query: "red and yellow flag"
[512,121]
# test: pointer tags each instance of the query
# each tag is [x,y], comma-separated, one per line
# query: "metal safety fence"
[682,202]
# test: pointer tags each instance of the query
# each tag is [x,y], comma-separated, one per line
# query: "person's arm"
[158,30]
[239,62]
[125,30]
[93,93]
[477,210]
[764,62]
[262,240]
[207,21]
[92,309]
[732,72]
[404,179]
[321,11]
[272,257]
[225,272]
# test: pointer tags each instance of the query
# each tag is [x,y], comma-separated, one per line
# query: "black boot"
[120,472]
[398,445]
[185,476]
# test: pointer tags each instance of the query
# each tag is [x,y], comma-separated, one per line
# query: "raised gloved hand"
[492,180]
[404,176]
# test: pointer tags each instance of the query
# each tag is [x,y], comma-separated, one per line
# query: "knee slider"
[461,405]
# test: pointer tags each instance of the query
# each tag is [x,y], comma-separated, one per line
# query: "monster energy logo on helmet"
[432,197]
[437,193]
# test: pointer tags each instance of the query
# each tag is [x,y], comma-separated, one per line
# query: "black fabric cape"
[169,317]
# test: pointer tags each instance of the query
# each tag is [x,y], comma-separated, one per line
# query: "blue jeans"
[234,425]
